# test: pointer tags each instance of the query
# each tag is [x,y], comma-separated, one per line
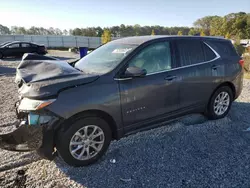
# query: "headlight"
[30,104]
[36,119]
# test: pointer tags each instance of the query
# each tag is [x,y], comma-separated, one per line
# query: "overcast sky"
[66,14]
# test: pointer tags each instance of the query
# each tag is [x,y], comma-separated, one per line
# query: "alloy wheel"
[87,142]
[221,103]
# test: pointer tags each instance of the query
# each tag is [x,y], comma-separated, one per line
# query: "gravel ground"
[191,152]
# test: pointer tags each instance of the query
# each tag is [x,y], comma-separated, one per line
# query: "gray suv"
[125,86]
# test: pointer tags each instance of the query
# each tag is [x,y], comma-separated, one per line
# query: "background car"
[19,48]
[4,43]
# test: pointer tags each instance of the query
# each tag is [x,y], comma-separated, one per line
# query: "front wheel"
[1,56]
[220,103]
[84,142]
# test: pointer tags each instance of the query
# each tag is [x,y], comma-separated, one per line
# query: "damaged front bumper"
[24,138]
[31,135]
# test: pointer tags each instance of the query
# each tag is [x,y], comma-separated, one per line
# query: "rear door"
[153,95]
[228,64]
[195,72]
[27,48]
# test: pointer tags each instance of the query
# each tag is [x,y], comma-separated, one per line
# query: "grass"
[247,67]
[247,75]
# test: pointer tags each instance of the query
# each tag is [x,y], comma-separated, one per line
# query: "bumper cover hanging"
[24,138]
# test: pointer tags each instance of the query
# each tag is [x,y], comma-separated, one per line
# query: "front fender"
[93,96]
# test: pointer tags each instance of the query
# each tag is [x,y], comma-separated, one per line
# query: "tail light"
[241,62]
[43,48]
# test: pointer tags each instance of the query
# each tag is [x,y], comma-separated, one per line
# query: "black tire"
[64,137]
[210,111]
[1,56]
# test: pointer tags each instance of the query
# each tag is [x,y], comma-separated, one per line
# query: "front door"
[156,93]
[12,50]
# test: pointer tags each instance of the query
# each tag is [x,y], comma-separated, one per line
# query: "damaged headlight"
[37,119]
[31,104]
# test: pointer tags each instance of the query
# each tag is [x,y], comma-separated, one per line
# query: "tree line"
[233,25]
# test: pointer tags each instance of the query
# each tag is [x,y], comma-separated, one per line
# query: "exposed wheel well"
[97,113]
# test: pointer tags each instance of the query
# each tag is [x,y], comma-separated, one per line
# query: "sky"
[69,14]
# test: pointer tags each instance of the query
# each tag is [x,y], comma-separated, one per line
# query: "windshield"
[105,58]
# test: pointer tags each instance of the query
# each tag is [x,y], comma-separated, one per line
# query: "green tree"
[65,32]
[193,31]
[239,48]
[235,25]
[179,33]
[227,36]
[204,24]
[202,33]
[137,29]
[216,26]
[153,32]
[77,31]
[4,30]
[106,36]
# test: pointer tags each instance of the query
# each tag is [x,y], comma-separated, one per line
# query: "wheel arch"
[93,113]
[229,84]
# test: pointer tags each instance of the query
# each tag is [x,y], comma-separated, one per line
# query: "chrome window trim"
[217,57]
[121,79]
[187,66]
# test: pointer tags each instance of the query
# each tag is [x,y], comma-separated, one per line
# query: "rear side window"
[25,45]
[208,53]
[190,52]
[224,48]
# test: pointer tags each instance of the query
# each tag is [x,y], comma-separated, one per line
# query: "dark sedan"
[4,43]
[17,49]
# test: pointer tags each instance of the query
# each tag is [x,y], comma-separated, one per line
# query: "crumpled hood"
[41,77]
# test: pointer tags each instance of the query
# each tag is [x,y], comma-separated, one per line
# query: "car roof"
[17,42]
[12,42]
[138,40]
[3,43]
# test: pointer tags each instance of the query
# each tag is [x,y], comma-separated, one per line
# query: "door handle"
[170,78]
[214,67]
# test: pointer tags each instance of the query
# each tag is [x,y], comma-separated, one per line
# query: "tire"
[65,137]
[213,108]
[1,56]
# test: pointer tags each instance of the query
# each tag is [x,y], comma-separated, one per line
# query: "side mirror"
[135,72]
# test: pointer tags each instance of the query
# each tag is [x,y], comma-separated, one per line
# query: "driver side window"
[154,58]
[16,45]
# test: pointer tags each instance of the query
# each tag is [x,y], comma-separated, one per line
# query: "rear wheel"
[220,103]
[1,56]
[84,142]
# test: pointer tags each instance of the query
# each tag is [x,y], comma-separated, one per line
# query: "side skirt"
[161,120]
